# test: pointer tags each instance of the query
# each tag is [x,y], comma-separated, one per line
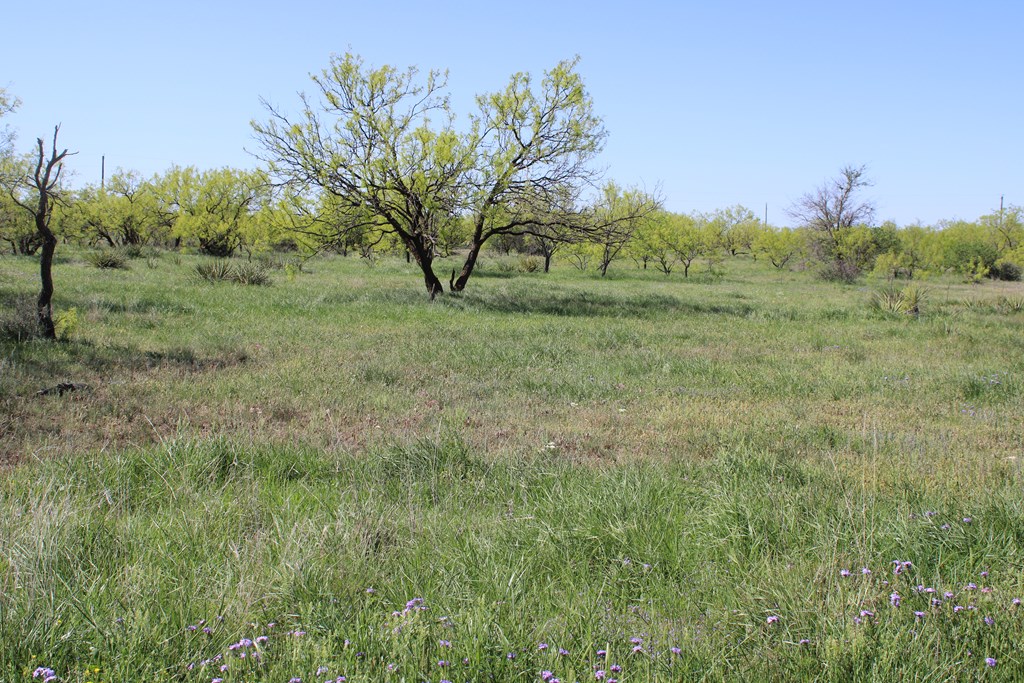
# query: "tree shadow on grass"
[583,303]
[38,364]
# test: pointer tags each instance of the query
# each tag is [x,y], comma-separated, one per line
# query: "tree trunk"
[547,262]
[425,261]
[44,306]
[459,284]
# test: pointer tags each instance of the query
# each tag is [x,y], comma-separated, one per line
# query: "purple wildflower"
[599,674]
[562,651]
[676,650]
[894,599]
[919,615]
[865,571]
[601,654]
[990,621]
[967,520]
[615,668]
[990,661]
[804,641]
[443,663]
[542,646]
[844,572]
[772,619]
[445,643]
[546,675]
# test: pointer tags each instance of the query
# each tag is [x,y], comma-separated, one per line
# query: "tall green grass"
[118,561]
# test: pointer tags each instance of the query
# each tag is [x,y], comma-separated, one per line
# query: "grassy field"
[503,485]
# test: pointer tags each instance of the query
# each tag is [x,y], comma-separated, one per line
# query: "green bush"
[1005,270]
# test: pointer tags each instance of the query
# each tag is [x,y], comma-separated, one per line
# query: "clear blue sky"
[719,102]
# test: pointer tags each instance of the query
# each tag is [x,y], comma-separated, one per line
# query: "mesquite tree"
[386,148]
[833,209]
[36,192]
[383,146]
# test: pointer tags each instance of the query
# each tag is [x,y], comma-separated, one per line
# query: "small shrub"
[66,323]
[1006,270]
[112,259]
[18,321]
[219,270]
[251,273]
[132,251]
[839,271]
[530,264]
[1010,304]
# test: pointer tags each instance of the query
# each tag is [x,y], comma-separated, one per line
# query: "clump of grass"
[109,259]
[18,320]
[244,273]
[891,299]
[251,273]
[219,270]
[1010,304]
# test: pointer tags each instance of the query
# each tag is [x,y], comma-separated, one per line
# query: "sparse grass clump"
[18,319]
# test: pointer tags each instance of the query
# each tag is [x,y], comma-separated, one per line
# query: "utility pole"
[103,170]
[766,214]
[1000,213]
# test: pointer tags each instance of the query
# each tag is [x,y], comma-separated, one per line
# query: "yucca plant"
[113,259]
[891,299]
[251,273]
[219,270]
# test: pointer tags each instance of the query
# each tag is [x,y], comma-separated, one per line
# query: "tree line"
[373,163]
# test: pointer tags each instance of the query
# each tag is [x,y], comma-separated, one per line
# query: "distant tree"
[35,189]
[1007,225]
[781,246]
[740,229]
[8,104]
[831,210]
[125,211]
[217,210]
[690,238]
[616,220]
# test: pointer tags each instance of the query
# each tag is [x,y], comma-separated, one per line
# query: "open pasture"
[751,476]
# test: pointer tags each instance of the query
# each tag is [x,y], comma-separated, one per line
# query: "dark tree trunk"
[44,306]
[425,260]
[547,261]
[459,284]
